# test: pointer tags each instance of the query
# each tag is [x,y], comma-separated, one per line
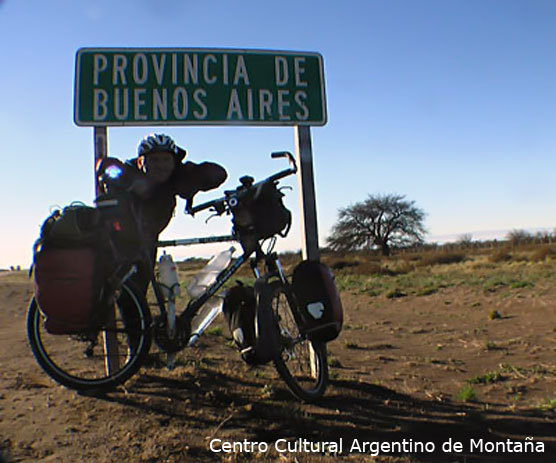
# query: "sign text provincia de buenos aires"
[132,86]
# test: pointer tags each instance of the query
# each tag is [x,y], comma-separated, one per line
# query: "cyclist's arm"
[190,178]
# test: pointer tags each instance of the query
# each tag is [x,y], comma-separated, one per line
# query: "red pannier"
[64,287]
[319,301]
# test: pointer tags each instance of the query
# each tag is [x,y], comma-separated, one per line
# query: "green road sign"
[182,86]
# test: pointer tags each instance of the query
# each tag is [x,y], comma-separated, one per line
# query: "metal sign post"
[306,189]
[100,135]
[111,348]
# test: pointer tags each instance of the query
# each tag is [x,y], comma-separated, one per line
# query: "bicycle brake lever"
[189,207]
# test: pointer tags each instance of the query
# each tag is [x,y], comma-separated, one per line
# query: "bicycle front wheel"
[302,364]
[99,361]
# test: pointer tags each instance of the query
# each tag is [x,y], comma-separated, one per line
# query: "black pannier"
[248,311]
[263,213]
[66,269]
[75,225]
[240,306]
[319,301]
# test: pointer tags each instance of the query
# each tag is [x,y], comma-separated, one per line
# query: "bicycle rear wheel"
[302,364]
[99,361]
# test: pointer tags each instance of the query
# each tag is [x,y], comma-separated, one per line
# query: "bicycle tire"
[62,356]
[293,361]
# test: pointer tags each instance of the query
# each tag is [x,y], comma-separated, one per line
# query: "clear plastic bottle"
[168,276]
[209,311]
[209,273]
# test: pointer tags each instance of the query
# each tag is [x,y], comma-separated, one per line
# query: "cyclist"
[154,178]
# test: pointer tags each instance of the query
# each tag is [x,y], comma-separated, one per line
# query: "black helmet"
[160,142]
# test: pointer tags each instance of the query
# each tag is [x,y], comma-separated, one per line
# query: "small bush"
[521,284]
[442,258]
[548,405]
[395,293]
[427,291]
[490,345]
[467,394]
[500,256]
[341,264]
[401,267]
[369,268]
[494,314]
[543,253]
[487,378]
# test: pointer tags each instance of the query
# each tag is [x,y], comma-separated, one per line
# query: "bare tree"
[382,221]
[516,237]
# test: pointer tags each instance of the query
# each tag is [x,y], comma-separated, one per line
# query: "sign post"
[110,339]
[306,189]
[100,135]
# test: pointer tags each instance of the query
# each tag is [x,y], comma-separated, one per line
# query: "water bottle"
[207,276]
[209,311]
[168,277]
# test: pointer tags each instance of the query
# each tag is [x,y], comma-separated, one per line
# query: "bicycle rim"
[95,362]
[301,363]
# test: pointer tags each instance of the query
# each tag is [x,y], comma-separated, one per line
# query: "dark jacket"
[156,203]
[186,181]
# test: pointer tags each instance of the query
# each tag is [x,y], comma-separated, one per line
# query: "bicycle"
[84,363]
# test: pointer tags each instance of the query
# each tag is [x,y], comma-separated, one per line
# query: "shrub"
[341,264]
[395,293]
[467,394]
[494,315]
[500,256]
[542,253]
[487,378]
[519,237]
[369,268]
[442,258]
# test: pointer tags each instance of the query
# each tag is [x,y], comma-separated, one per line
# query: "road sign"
[182,86]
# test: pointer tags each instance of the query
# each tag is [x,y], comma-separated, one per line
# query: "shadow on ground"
[214,403]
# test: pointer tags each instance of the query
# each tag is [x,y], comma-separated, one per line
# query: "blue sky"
[451,103]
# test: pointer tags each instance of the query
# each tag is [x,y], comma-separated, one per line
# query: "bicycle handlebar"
[219,204]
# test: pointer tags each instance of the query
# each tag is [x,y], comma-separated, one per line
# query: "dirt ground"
[430,369]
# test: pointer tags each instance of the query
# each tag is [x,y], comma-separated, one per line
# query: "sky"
[451,103]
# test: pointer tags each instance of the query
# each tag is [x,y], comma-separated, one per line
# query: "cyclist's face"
[158,166]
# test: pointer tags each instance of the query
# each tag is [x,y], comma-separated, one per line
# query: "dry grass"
[423,273]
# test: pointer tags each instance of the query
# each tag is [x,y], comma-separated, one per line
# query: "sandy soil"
[397,372]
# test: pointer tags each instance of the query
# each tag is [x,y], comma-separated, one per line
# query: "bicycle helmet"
[160,142]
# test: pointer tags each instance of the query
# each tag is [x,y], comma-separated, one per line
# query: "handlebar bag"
[263,212]
[66,269]
[319,301]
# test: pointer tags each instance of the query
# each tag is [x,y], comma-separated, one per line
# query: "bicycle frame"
[195,305]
